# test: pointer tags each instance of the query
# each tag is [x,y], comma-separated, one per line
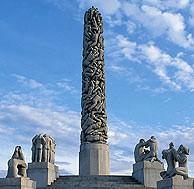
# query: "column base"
[44,173]
[17,183]
[176,182]
[148,173]
[94,159]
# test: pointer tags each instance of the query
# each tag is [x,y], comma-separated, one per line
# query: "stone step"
[96,179]
[96,182]
[102,187]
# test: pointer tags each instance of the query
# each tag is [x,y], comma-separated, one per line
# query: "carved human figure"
[39,148]
[181,157]
[17,165]
[34,148]
[153,153]
[140,151]
[52,152]
[168,155]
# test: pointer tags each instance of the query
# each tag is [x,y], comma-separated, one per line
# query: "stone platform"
[17,183]
[96,182]
[176,182]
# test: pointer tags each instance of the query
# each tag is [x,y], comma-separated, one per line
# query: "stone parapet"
[17,183]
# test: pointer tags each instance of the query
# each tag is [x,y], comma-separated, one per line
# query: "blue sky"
[149,52]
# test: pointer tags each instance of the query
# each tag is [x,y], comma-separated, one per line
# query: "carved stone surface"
[172,156]
[94,118]
[16,165]
[43,148]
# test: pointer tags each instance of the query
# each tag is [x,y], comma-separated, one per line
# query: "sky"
[149,52]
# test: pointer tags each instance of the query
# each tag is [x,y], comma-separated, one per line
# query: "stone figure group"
[16,165]
[43,148]
[93,121]
[172,156]
[146,150]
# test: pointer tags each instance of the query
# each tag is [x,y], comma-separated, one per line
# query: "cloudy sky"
[149,53]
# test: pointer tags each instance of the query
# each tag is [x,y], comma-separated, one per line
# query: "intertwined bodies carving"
[93,102]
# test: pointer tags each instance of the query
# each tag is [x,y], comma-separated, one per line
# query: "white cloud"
[191,18]
[114,20]
[28,82]
[168,4]
[182,76]
[120,47]
[131,27]
[106,7]
[160,23]
[178,4]
[126,47]
[67,86]
[173,71]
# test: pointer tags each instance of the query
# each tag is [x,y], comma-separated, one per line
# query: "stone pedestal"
[44,173]
[148,173]
[17,183]
[176,182]
[94,159]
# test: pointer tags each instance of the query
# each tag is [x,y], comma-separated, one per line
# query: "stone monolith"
[94,152]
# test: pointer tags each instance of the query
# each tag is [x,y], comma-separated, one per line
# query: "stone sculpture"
[43,148]
[172,156]
[16,165]
[140,151]
[94,118]
[142,154]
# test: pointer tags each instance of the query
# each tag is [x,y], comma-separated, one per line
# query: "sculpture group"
[43,148]
[172,156]
[148,151]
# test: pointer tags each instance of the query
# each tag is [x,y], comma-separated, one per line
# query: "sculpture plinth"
[148,173]
[94,153]
[44,173]
[176,182]
[94,159]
